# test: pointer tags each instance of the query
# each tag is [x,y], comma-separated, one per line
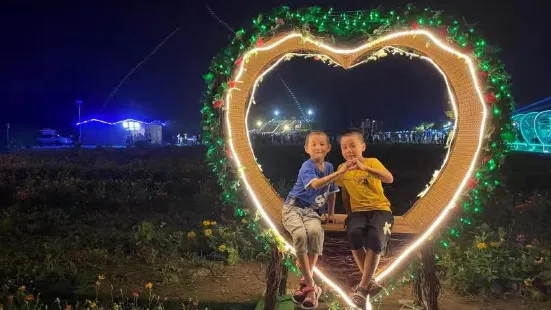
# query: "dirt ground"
[218,286]
[246,283]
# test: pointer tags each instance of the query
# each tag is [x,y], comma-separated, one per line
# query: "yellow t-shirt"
[366,191]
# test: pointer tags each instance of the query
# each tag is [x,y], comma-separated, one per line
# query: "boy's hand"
[330,219]
[344,167]
[359,165]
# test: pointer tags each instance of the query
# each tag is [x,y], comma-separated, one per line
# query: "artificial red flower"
[491,97]
[259,42]
[444,31]
[239,61]
[218,104]
[472,183]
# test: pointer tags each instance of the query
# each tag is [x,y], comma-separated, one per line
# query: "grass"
[67,216]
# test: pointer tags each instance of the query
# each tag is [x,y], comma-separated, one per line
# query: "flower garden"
[144,228]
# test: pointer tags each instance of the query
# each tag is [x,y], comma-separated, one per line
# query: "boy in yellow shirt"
[369,216]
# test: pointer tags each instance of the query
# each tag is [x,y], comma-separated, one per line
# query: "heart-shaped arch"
[471,114]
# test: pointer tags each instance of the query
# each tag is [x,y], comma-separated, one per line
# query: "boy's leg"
[293,223]
[356,226]
[359,258]
[315,235]
[371,262]
[378,235]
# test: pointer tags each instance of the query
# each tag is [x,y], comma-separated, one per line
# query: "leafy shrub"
[496,263]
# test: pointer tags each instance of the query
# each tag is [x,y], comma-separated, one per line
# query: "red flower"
[415,25]
[231,84]
[316,58]
[484,74]
[218,104]
[135,294]
[444,31]
[491,97]
[259,42]
[487,158]
[229,152]
[472,183]
[239,61]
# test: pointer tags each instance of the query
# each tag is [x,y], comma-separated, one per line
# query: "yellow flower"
[222,247]
[191,234]
[481,245]
[494,244]
[208,232]
[244,221]
[206,223]
[149,285]
[22,288]
[213,223]
[528,282]
[101,277]
[528,246]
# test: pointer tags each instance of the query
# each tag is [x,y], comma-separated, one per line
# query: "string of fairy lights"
[325,24]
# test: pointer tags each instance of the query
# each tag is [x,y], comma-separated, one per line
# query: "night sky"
[55,53]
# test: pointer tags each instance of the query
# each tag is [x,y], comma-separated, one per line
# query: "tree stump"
[273,280]
[426,287]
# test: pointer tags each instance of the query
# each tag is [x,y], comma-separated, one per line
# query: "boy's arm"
[346,201]
[331,207]
[321,182]
[379,171]
[384,175]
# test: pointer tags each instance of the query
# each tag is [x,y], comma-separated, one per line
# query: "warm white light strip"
[453,202]
[446,210]
[453,101]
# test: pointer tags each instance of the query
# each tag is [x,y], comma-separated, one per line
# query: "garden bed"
[139,216]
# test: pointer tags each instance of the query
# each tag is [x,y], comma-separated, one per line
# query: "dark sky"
[57,52]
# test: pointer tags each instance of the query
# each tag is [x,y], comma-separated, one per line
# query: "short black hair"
[315,132]
[353,131]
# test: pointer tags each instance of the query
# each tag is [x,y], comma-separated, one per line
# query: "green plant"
[14,297]
[493,264]
[231,243]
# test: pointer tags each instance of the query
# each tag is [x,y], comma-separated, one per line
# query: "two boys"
[369,216]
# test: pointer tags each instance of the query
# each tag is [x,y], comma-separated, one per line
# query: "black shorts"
[369,229]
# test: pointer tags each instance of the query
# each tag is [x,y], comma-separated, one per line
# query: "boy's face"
[352,146]
[317,146]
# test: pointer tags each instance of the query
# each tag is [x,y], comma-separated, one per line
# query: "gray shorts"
[304,225]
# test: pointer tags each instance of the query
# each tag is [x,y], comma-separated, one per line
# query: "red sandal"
[299,295]
[310,303]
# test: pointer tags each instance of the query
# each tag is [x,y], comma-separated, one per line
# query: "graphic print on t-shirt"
[304,194]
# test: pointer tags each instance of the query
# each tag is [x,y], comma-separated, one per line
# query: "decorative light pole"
[79,104]
[8,134]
